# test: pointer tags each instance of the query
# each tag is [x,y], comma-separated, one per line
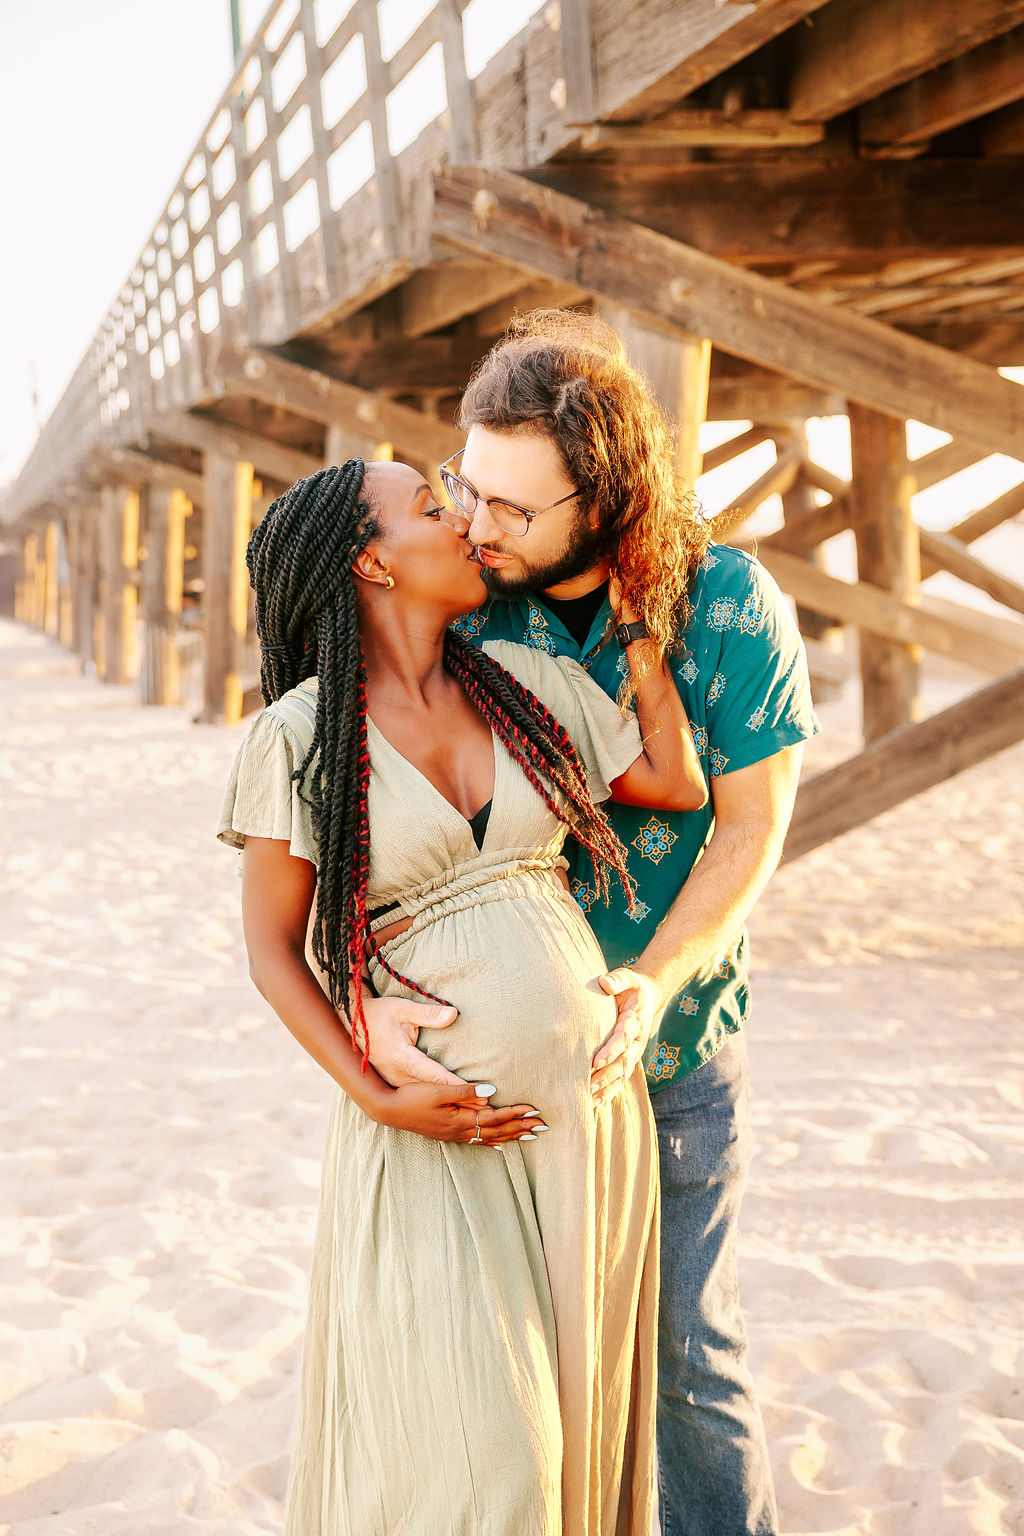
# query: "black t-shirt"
[578,613]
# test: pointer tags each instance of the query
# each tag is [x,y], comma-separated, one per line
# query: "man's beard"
[580,555]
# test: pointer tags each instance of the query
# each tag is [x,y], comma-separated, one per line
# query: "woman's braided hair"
[300,560]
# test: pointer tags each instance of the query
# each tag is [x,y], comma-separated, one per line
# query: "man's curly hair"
[565,374]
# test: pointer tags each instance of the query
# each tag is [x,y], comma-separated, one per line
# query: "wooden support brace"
[263,376]
[276,460]
[83,562]
[163,578]
[65,578]
[825,522]
[138,469]
[51,593]
[705,38]
[906,763]
[740,312]
[988,77]
[808,528]
[227,517]
[856,50]
[798,505]
[887,557]
[997,512]
[949,554]
[678,370]
[775,481]
[695,129]
[33,582]
[724,453]
[882,614]
[120,571]
[942,462]
[578,72]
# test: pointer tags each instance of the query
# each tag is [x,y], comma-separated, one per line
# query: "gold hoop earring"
[389,583]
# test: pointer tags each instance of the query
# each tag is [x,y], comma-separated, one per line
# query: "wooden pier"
[788,208]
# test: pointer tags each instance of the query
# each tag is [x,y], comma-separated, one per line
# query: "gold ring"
[477,1137]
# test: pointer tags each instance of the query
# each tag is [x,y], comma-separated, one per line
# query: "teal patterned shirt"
[742,675]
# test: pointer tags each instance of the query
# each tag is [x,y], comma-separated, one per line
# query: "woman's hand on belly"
[446,1113]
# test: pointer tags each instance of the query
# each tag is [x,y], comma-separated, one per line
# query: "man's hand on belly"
[394,1024]
[638,1007]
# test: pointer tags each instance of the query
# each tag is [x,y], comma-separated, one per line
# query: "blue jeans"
[714,1476]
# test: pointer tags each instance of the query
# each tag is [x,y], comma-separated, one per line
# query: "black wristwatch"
[625,634]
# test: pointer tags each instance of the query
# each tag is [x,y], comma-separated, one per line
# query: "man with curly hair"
[568,482]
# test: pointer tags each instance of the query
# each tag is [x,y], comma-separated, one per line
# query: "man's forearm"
[714,903]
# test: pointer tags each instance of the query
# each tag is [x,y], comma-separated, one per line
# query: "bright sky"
[102,106]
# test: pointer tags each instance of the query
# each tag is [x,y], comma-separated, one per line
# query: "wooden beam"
[163,579]
[769,399]
[227,519]
[51,593]
[928,470]
[740,312]
[997,512]
[128,467]
[776,481]
[967,87]
[84,560]
[342,445]
[702,38]
[1000,343]
[799,506]
[948,554]
[696,129]
[807,529]
[120,573]
[880,613]
[494,319]
[33,582]
[944,461]
[724,453]
[907,763]
[795,208]
[678,370]
[887,557]
[263,376]
[275,460]
[1003,133]
[65,610]
[856,50]
[939,551]
[578,78]
[439,295]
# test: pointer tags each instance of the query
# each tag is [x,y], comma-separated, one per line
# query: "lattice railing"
[295,197]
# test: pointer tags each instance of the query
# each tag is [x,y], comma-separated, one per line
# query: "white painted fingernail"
[527,1136]
[484,1090]
[530,1114]
[542,1127]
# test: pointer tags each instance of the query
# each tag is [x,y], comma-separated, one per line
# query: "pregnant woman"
[479,1355]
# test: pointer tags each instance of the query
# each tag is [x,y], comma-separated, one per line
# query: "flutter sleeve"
[606,738]
[261,798]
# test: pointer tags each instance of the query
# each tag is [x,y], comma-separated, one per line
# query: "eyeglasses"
[509,517]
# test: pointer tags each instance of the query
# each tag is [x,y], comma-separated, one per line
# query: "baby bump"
[523,973]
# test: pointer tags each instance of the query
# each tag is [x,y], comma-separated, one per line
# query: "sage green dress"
[480,1348]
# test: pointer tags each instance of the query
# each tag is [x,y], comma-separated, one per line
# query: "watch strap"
[625,634]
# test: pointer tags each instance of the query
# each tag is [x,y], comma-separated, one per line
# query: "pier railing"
[307,190]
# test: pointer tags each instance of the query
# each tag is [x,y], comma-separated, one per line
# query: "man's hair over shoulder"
[565,374]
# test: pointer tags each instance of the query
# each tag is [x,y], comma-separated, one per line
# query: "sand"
[162,1136]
